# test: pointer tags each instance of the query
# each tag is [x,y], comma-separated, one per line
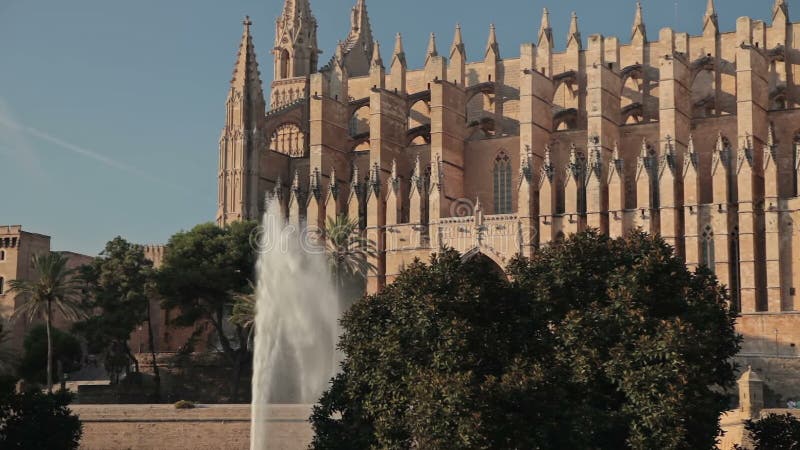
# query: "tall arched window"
[2,255]
[707,248]
[502,184]
[2,286]
[284,64]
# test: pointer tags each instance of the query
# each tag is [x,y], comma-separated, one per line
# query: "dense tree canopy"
[66,351]
[774,432]
[118,288]
[597,343]
[204,270]
[34,420]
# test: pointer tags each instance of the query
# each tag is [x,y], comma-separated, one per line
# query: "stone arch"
[494,260]
[420,135]
[419,112]
[289,139]
[565,119]
[632,114]
[633,71]
[704,90]
[631,97]
[358,123]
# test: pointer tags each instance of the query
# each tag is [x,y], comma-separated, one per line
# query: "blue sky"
[110,110]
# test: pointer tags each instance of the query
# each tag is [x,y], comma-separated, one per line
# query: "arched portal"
[491,262]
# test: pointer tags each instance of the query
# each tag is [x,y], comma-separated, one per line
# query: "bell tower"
[296,52]
[242,137]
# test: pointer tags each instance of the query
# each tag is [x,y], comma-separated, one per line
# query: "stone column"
[674,125]
[388,127]
[752,98]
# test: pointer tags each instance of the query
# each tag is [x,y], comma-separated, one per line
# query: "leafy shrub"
[66,349]
[774,432]
[185,404]
[34,420]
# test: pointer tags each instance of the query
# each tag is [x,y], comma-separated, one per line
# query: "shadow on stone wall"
[201,378]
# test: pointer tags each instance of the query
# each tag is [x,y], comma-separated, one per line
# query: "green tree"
[33,420]
[67,353]
[597,343]
[774,432]
[203,271]
[7,355]
[348,253]
[54,289]
[244,309]
[120,284]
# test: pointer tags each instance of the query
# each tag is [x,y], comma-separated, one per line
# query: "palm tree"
[348,251]
[55,286]
[243,313]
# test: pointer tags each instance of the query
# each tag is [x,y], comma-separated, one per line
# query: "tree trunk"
[49,348]
[151,342]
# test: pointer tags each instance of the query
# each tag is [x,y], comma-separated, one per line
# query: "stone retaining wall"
[208,427]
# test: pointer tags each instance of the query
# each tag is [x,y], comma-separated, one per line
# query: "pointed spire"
[546,31]
[431,52]
[458,42]
[246,77]
[710,17]
[277,191]
[772,145]
[638,30]
[416,175]
[399,53]
[574,36]
[313,184]
[333,185]
[355,179]
[645,150]
[492,46]
[296,183]
[295,27]
[547,171]
[375,178]
[780,12]
[376,55]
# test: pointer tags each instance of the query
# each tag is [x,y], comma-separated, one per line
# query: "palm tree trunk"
[49,348]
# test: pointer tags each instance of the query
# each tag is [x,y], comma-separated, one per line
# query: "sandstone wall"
[217,427]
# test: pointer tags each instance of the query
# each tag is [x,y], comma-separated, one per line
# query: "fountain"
[296,326]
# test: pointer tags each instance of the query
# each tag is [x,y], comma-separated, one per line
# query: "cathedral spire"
[710,20]
[638,31]
[458,42]
[399,52]
[241,137]
[431,52]
[574,36]
[357,47]
[546,31]
[377,61]
[492,47]
[296,51]
[246,77]
[780,12]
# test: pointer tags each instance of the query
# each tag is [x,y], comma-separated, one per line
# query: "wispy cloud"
[7,121]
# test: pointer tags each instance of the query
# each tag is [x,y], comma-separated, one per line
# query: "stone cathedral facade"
[696,138]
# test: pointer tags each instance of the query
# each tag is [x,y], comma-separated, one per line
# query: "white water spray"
[297,313]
